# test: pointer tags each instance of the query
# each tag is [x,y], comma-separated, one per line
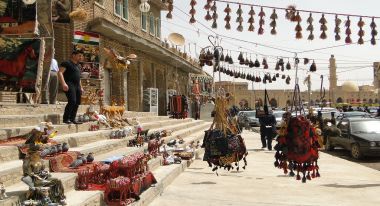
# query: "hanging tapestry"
[88,43]
[200,84]
[19,64]
[17,17]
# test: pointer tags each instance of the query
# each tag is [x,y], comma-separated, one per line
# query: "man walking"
[69,76]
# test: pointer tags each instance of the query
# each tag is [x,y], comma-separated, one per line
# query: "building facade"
[125,29]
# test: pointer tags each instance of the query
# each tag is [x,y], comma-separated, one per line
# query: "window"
[151,24]
[121,8]
[125,9]
[158,28]
[118,6]
[143,20]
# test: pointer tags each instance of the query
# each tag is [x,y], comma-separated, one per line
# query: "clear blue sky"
[349,58]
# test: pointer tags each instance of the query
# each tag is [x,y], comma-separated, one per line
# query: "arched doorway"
[358,101]
[273,103]
[376,101]
[288,103]
[370,101]
[339,100]
[364,100]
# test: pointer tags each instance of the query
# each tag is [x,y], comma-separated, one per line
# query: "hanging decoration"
[290,13]
[337,28]
[261,21]
[192,11]
[323,23]
[273,23]
[313,67]
[170,9]
[361,31]
[298,27]
[297,145]
[227,10]
[373,32]
[239,19]
[214,16]
[348,31]
[310,28]
[251,20]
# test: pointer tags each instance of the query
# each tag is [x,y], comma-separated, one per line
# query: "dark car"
[361,136]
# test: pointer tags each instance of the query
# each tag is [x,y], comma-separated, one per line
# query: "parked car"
[353,114]
[248,118]
[361,136]
[278,114]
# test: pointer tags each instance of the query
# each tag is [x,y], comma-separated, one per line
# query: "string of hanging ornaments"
[208,58]
[291,13]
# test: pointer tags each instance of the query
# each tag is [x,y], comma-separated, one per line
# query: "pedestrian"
[267,128]
[69,76]
[53,81]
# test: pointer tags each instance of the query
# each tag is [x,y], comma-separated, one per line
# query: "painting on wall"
[19,60]
[88,43]
[18,17]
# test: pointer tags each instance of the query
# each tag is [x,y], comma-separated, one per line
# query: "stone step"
[11,171]
[107,145]
[31,109]
[8,153]
[56,118]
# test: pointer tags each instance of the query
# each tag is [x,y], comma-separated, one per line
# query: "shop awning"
[108,29]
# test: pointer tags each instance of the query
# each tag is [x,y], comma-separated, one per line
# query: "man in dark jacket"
[267,128]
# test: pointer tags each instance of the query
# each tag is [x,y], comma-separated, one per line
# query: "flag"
[86,38]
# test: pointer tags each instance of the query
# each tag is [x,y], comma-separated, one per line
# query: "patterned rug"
[61,162]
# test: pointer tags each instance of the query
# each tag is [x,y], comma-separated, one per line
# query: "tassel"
[208,16]
[311,36]
[290,13]
[251,20]
[227,10]
[288,80]
[348,40]
[323,35]
[208,5]
[213,8]
[240,28]
[274,15]
[262,13]
[170,9]
[192,11]
[261,31]
[310,28]
[288,66]
[323,23]
[277,66]
[273,31]
[337,37]
[257,63]
[214,25]
[313,67]
[228,26]
[298,31]
[361,31]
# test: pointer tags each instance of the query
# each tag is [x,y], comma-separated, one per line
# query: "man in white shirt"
[53,82]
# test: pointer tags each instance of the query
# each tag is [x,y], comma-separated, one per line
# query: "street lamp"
[144,6]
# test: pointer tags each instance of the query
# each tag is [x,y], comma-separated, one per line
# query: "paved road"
[341,183]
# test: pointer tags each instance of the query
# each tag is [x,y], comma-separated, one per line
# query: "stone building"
[348,92]
[127,30]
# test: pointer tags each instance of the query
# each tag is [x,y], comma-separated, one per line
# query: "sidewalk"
[341,183]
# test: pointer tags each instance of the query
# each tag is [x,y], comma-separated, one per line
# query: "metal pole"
[309,90]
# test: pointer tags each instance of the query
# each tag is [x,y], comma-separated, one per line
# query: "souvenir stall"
[201,90]
[178,106]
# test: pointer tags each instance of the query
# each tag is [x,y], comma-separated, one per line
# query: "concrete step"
[8,153]
[11,171]
[9,121]
[32,109]
[107,145]
[28,120]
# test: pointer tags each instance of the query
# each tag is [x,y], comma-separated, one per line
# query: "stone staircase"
[21,119]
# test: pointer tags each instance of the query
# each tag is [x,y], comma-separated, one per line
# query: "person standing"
[53,82]
[267,128]
[69,76]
